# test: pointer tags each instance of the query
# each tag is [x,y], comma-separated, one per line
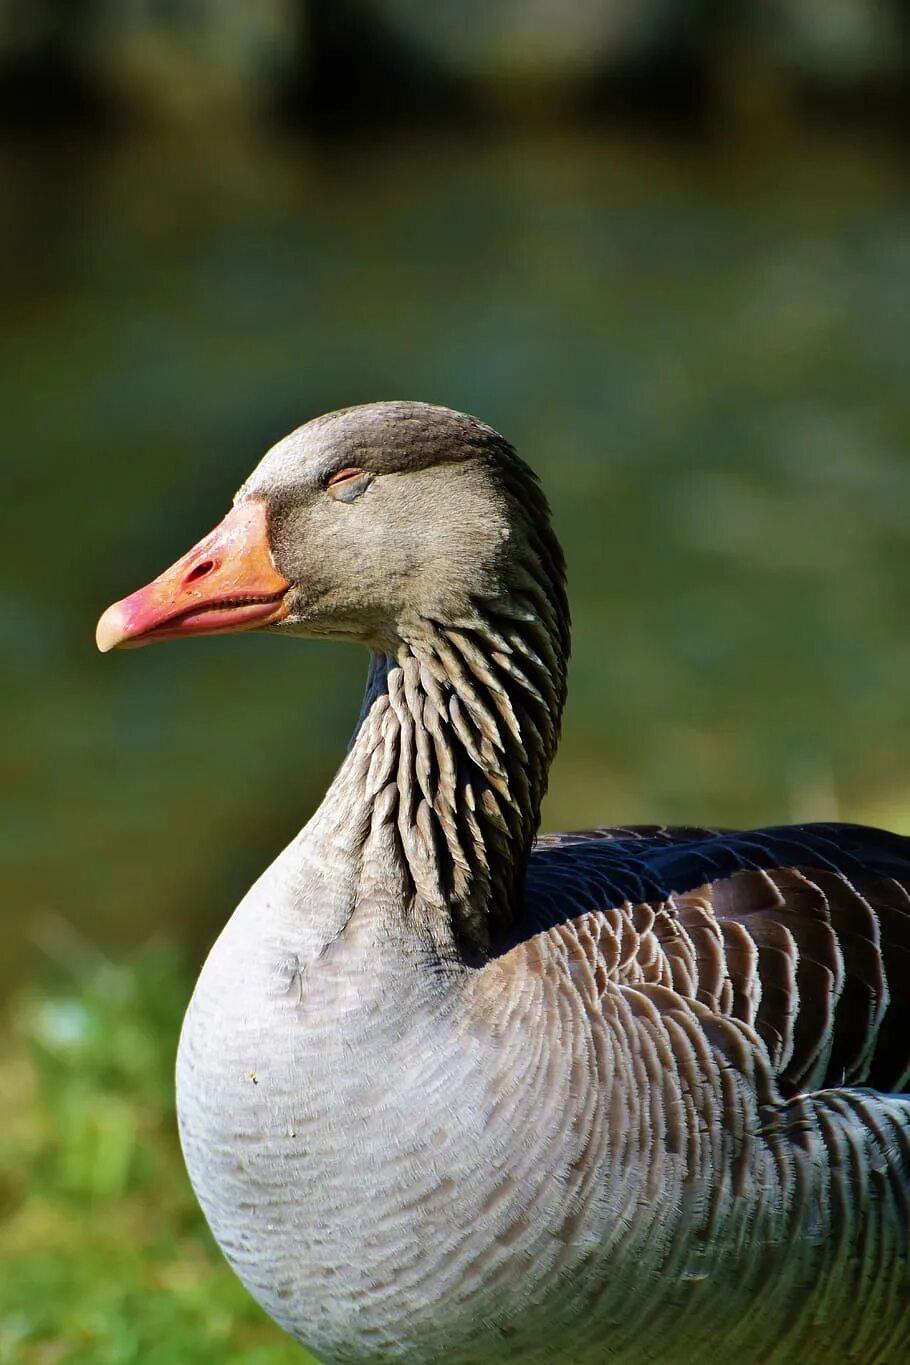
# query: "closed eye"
[344,485]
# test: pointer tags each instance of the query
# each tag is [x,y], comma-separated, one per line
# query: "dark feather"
[802,931]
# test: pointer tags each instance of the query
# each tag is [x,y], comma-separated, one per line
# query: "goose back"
[801,931]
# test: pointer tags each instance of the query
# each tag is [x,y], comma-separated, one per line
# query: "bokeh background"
[662,245]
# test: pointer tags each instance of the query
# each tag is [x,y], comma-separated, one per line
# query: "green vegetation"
[104,1255]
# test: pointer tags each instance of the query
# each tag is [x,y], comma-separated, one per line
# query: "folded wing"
[801,932]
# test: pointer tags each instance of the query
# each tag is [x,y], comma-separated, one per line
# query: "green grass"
[104,1255]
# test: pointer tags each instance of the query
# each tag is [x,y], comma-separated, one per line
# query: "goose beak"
[228,582]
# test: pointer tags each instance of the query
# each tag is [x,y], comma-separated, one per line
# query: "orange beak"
[227,582]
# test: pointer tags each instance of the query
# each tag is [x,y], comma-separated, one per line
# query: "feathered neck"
[450,761]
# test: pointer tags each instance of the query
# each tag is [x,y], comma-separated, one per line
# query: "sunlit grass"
[104,1256]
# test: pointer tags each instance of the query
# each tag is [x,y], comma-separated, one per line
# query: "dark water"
[705,354]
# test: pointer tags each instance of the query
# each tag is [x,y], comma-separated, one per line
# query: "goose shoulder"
[801,933]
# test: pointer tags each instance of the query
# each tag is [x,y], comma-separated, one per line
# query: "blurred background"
[661,244]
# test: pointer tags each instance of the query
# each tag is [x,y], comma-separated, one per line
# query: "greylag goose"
[448,1092]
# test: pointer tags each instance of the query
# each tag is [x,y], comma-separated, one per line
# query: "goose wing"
[801,932]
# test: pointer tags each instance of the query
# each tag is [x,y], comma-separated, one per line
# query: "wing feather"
[800,933]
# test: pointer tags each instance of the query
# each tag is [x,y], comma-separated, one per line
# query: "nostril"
[200,570]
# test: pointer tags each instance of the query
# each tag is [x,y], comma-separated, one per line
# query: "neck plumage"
[439,797]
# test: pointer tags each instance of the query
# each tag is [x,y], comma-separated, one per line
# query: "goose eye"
[347,484]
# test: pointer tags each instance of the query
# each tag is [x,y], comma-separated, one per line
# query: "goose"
[450,1091]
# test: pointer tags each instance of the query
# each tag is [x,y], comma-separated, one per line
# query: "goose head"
[364,524]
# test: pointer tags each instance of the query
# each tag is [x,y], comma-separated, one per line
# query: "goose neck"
[441,789]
